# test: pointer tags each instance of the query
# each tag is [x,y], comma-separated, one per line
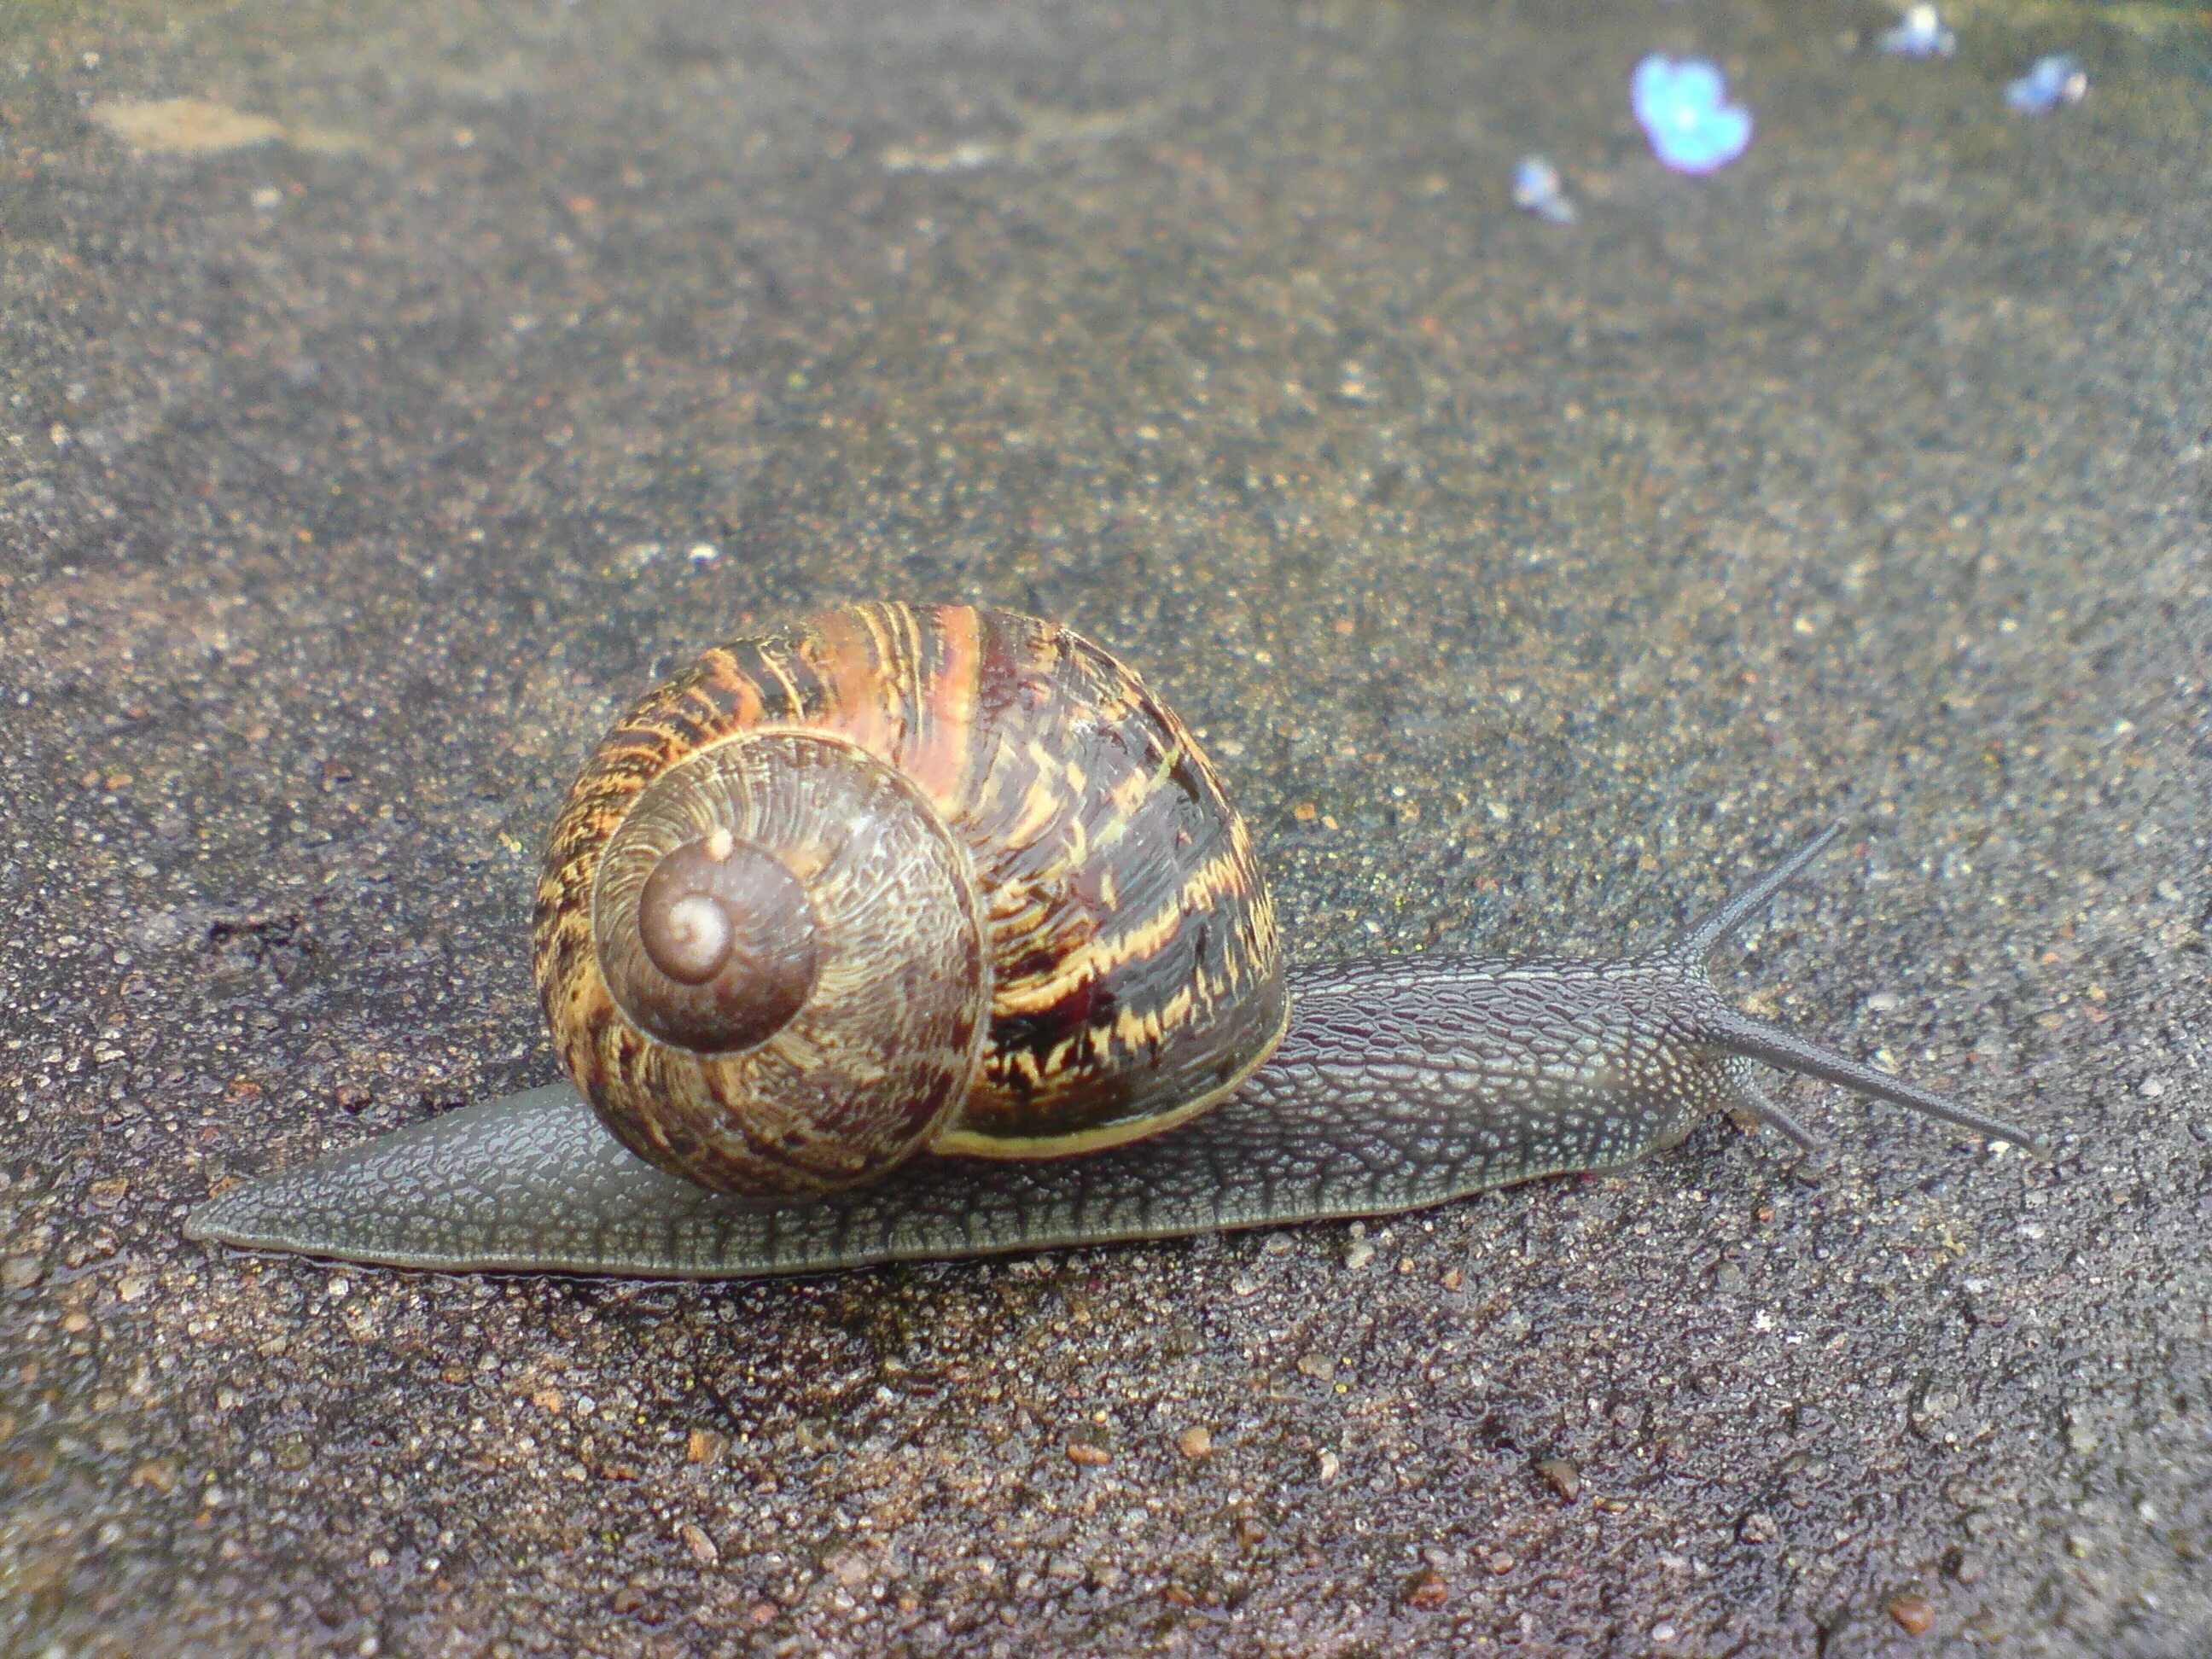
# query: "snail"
[913,934]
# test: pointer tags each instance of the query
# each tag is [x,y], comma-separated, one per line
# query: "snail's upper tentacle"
[1695,943]
[1732,1032]
[1729,1031]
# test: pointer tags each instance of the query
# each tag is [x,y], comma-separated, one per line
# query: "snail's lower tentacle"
[1749,1097]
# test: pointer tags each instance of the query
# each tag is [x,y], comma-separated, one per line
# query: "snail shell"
[901,878]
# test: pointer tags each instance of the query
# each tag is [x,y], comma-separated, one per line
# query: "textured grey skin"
[1398,1085]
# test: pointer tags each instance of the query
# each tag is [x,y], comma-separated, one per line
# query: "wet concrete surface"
[1529,583]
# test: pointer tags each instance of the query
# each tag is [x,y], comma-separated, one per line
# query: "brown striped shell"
[901,879]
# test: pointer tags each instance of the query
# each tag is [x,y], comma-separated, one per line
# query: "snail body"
[918,932]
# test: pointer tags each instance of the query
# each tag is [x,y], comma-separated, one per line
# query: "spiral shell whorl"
[808,1048]
[713,947]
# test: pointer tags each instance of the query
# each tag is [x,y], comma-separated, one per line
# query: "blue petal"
[1718,139]
[1683,110]
[1649,86]
[1698,84]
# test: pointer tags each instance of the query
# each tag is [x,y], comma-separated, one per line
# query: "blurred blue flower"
[1536,187]
[2048,83]
[1684,111]
[1919,34]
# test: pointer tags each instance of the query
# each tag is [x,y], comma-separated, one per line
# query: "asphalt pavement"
[391,393]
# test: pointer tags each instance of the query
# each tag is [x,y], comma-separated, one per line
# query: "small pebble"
[1913,1615]
[20,1272]
[1319,1366]
[1329,1465]
[1427,1590]
[1091,1457]
[1359,1255]
[1564,1477]
[157,1472]
[1501,1564]
[1194,1444]
[701,1547]
[705,1446]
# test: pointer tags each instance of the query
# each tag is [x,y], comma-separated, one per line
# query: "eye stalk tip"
[1702,937]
